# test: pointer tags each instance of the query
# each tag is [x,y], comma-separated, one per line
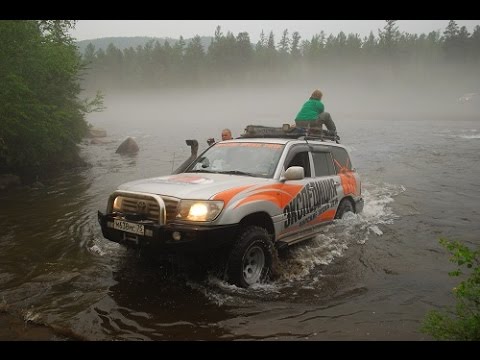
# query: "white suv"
[238,202]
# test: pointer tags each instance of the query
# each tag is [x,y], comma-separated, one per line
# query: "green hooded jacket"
[310,110]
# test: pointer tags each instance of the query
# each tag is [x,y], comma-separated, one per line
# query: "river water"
[371,277]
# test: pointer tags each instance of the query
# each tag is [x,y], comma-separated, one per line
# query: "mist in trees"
[390,56]
[42,75]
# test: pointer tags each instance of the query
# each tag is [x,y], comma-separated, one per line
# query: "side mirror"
[294,173]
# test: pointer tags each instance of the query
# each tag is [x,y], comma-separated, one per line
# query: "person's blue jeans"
[323,118]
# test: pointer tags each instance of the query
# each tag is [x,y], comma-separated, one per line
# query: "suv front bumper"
[191,238]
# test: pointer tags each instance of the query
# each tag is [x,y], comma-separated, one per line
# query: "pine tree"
[295,46]
[450,40]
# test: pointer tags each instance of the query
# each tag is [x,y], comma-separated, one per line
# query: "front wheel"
[251,259]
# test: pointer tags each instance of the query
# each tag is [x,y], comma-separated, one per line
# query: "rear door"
[324,186]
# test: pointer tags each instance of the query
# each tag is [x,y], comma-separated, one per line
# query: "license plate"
[129,227]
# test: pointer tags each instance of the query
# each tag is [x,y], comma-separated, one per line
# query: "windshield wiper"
[238,172]
[200,171]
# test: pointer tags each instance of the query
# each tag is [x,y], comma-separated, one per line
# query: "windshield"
[239,158]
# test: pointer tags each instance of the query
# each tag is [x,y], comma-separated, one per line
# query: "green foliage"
[463,322]
[41,117]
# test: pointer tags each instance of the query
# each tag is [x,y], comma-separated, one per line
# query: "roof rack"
[289,132]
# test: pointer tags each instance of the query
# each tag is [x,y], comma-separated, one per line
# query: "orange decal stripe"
[348,183]
[291,190]
[327,215]
[261,197]
[281,194]
[227,195]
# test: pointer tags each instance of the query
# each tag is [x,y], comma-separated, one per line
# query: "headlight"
[117,204]
[195,210]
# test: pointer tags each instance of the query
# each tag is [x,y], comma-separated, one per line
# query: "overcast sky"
[92,29]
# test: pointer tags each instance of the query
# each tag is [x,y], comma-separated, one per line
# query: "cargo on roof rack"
[289,132]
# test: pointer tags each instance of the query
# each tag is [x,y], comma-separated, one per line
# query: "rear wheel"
[344,208]
[251,259]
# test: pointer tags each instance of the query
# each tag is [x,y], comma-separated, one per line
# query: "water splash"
[301,266]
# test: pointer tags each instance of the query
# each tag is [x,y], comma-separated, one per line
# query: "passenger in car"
[226,135]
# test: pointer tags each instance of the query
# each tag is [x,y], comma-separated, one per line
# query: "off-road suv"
[239,201]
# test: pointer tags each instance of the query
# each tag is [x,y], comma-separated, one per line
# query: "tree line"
[234,58]
[42,115]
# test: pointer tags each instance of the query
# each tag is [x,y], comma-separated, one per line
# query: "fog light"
[176,235]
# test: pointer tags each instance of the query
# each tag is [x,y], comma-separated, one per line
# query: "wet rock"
[128,147]
[97,141]
[96,132]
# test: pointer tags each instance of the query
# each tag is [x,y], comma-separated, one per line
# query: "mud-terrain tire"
[344,207]
[251,258]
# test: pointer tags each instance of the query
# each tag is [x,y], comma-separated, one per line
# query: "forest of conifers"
[231,58]
[42,73]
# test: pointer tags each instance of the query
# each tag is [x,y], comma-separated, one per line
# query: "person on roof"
[313,114]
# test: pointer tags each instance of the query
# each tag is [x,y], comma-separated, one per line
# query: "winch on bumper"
[142,222]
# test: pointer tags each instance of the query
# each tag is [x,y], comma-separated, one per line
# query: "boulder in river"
[128,147]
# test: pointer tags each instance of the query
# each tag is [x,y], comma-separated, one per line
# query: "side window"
[341,159]
[322,161]
[301,159]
